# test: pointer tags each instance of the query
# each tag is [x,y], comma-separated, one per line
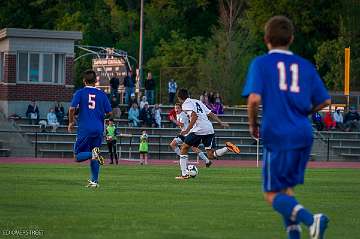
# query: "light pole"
[141,47]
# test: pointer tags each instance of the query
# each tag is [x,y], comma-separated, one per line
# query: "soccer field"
[146,202]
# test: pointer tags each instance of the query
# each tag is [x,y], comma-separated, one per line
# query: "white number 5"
[294,68]
[92,101]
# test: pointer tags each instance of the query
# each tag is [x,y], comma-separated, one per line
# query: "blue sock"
[95,167]
[80,157]
[292,228]
[288,207]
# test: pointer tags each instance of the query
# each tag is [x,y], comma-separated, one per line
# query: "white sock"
[183,164]
[203,157]
[221,152]
[177,151]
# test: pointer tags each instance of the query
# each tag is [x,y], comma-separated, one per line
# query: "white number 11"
[294,68]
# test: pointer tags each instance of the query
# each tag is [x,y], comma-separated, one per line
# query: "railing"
[28,143]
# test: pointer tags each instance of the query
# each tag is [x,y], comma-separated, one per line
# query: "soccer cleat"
[208,164]
[96,155]
[182,177]
[92,184]
[317,229]
[232,147]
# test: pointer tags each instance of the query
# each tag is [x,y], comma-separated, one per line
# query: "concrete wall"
[20,107]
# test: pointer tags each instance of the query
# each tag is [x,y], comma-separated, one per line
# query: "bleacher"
[343,145]
[4,151]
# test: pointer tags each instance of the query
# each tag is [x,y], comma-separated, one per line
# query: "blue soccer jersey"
[289,87]
[93,104]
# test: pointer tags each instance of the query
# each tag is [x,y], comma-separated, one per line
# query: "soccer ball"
[192,170]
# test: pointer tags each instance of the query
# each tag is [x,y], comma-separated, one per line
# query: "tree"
[224,60]
[177,58]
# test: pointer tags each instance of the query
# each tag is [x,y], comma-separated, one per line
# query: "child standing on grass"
[143,148]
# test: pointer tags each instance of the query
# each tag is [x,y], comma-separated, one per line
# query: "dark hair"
[279,31]
[183,94]
[89,76]
[178,104]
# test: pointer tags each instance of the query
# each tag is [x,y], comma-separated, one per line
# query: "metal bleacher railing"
[327,145]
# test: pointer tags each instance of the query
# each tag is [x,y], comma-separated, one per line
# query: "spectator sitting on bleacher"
[352,120]
[157,115]
[32,113]
[60,112]
[211,98]
[172,117]
[52,120]
[132,100]
[133,115]
[143,102]
[146,116]
[202,97]
[328,120]
[339,119]
[317,120]
[208,104]
[218,106]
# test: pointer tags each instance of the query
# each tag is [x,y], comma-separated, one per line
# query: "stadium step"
[4,152]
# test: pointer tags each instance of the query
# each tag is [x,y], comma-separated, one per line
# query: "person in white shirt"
[52,120]
[339,119]
[199,130]
[182,120]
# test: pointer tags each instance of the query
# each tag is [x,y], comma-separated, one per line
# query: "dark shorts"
[194,140]
[87,143]
[181,137]
[284,169]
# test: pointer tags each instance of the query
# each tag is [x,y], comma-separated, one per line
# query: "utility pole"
[141,47]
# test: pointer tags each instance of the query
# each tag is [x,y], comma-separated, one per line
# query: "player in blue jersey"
[290,90]
[93,105]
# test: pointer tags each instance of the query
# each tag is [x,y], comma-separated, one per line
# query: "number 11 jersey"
[289,87]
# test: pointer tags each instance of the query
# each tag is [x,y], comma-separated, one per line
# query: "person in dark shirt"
[129,84]
[352,120]
[150,88]
[60,112]
[32,113]
[114,85]
[146,116]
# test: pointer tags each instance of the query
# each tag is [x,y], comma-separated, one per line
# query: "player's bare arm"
[71,119]
[109,115]
[321,106]
[193,119]
[253,104]
[214,117]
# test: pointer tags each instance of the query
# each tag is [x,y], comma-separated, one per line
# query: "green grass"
[146,202]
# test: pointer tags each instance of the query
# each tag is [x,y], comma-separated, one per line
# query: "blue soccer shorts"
[284,169]
[87,143]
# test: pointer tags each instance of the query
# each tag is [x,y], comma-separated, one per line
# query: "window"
[59,68]
[23,67]
[47,70]
[34,68]
[40,67]
[1,66]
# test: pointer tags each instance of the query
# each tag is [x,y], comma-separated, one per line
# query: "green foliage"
[177,58]
[191,34]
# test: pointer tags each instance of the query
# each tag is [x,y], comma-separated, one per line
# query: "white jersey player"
[199,130]
[182,120]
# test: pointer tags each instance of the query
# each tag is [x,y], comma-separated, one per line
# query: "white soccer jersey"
[203,125]
[184,119]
